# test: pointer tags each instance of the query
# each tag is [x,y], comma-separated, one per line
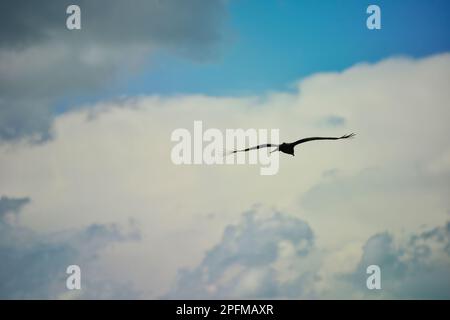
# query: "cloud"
[275,257]
[419,268]
[8,204]
[33,265]
[374,191]
[253,260]
[168,23]
[41,62]
[111,161]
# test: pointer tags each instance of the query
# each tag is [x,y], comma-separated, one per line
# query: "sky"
[261,37]
[86,177]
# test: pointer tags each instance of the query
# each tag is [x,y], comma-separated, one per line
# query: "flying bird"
[289,147]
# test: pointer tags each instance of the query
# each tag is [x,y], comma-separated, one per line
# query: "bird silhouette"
[288,148]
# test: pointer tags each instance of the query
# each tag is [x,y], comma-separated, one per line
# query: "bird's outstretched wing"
[268,145]
[322,138]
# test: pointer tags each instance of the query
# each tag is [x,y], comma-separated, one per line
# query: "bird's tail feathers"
[347,136]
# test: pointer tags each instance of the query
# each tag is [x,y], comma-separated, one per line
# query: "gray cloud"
[417,269]
[33,265]
[168,22]
[245,264]
[8,204]
[275,257]
[41,61]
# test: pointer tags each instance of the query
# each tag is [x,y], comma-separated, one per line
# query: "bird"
[288,148]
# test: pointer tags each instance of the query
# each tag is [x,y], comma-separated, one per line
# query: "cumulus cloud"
[41,61]
[258,258]
[111,161]
[34,265]
[275,257]
[415,268]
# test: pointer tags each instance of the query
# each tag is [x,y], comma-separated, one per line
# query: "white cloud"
[111,161]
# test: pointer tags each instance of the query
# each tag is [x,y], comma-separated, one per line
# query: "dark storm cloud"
[166,22]
[24,22]
[41,61]
[33,265]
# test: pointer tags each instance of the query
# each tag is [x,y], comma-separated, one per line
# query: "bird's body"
[288,148]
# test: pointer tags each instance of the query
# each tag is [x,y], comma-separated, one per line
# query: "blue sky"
[267,45]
